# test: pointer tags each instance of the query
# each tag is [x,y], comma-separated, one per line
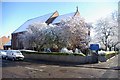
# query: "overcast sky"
[14,14]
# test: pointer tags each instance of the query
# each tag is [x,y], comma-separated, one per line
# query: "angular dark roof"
[61,17]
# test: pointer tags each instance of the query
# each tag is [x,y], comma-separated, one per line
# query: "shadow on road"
[9,63]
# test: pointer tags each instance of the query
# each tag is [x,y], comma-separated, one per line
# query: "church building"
[51,18]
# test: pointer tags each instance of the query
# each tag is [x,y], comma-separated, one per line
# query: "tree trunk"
[105,47]
[110,48]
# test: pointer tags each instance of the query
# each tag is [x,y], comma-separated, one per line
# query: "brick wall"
[3,40]
[15,43]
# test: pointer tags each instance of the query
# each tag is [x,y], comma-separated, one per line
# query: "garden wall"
[102,58]
[61,58]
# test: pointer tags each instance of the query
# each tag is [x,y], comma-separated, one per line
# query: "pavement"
[112,67]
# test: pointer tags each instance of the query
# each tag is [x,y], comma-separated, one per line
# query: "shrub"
[108,54]
[53,53]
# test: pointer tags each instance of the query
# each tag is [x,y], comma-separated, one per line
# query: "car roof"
[13,50]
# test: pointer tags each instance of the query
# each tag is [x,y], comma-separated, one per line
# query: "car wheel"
[6,58]
[13,59]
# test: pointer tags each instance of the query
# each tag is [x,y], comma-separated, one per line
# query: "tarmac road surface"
[45,69]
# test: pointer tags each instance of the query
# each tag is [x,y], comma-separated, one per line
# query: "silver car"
[14,55]
[2,54]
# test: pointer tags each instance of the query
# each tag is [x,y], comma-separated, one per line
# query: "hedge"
[109,54]
[53,53]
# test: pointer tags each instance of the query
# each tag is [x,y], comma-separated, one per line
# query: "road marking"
[111,58]
[29,68]
[55,66]
[34,69]
[38,70]
[43,66]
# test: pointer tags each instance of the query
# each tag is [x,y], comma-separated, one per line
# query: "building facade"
[4,40]
[7,46]
[48,18]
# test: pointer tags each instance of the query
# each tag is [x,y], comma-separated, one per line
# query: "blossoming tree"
[70,33]
[107,31]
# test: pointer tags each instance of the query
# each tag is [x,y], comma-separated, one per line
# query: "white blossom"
[69,33]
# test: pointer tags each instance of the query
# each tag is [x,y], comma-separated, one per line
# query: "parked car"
[2,54]
[14,55]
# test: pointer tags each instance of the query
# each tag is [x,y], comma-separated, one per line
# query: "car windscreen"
[2,52]
[17,52]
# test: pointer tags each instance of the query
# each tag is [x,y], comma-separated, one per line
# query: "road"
[45,69]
